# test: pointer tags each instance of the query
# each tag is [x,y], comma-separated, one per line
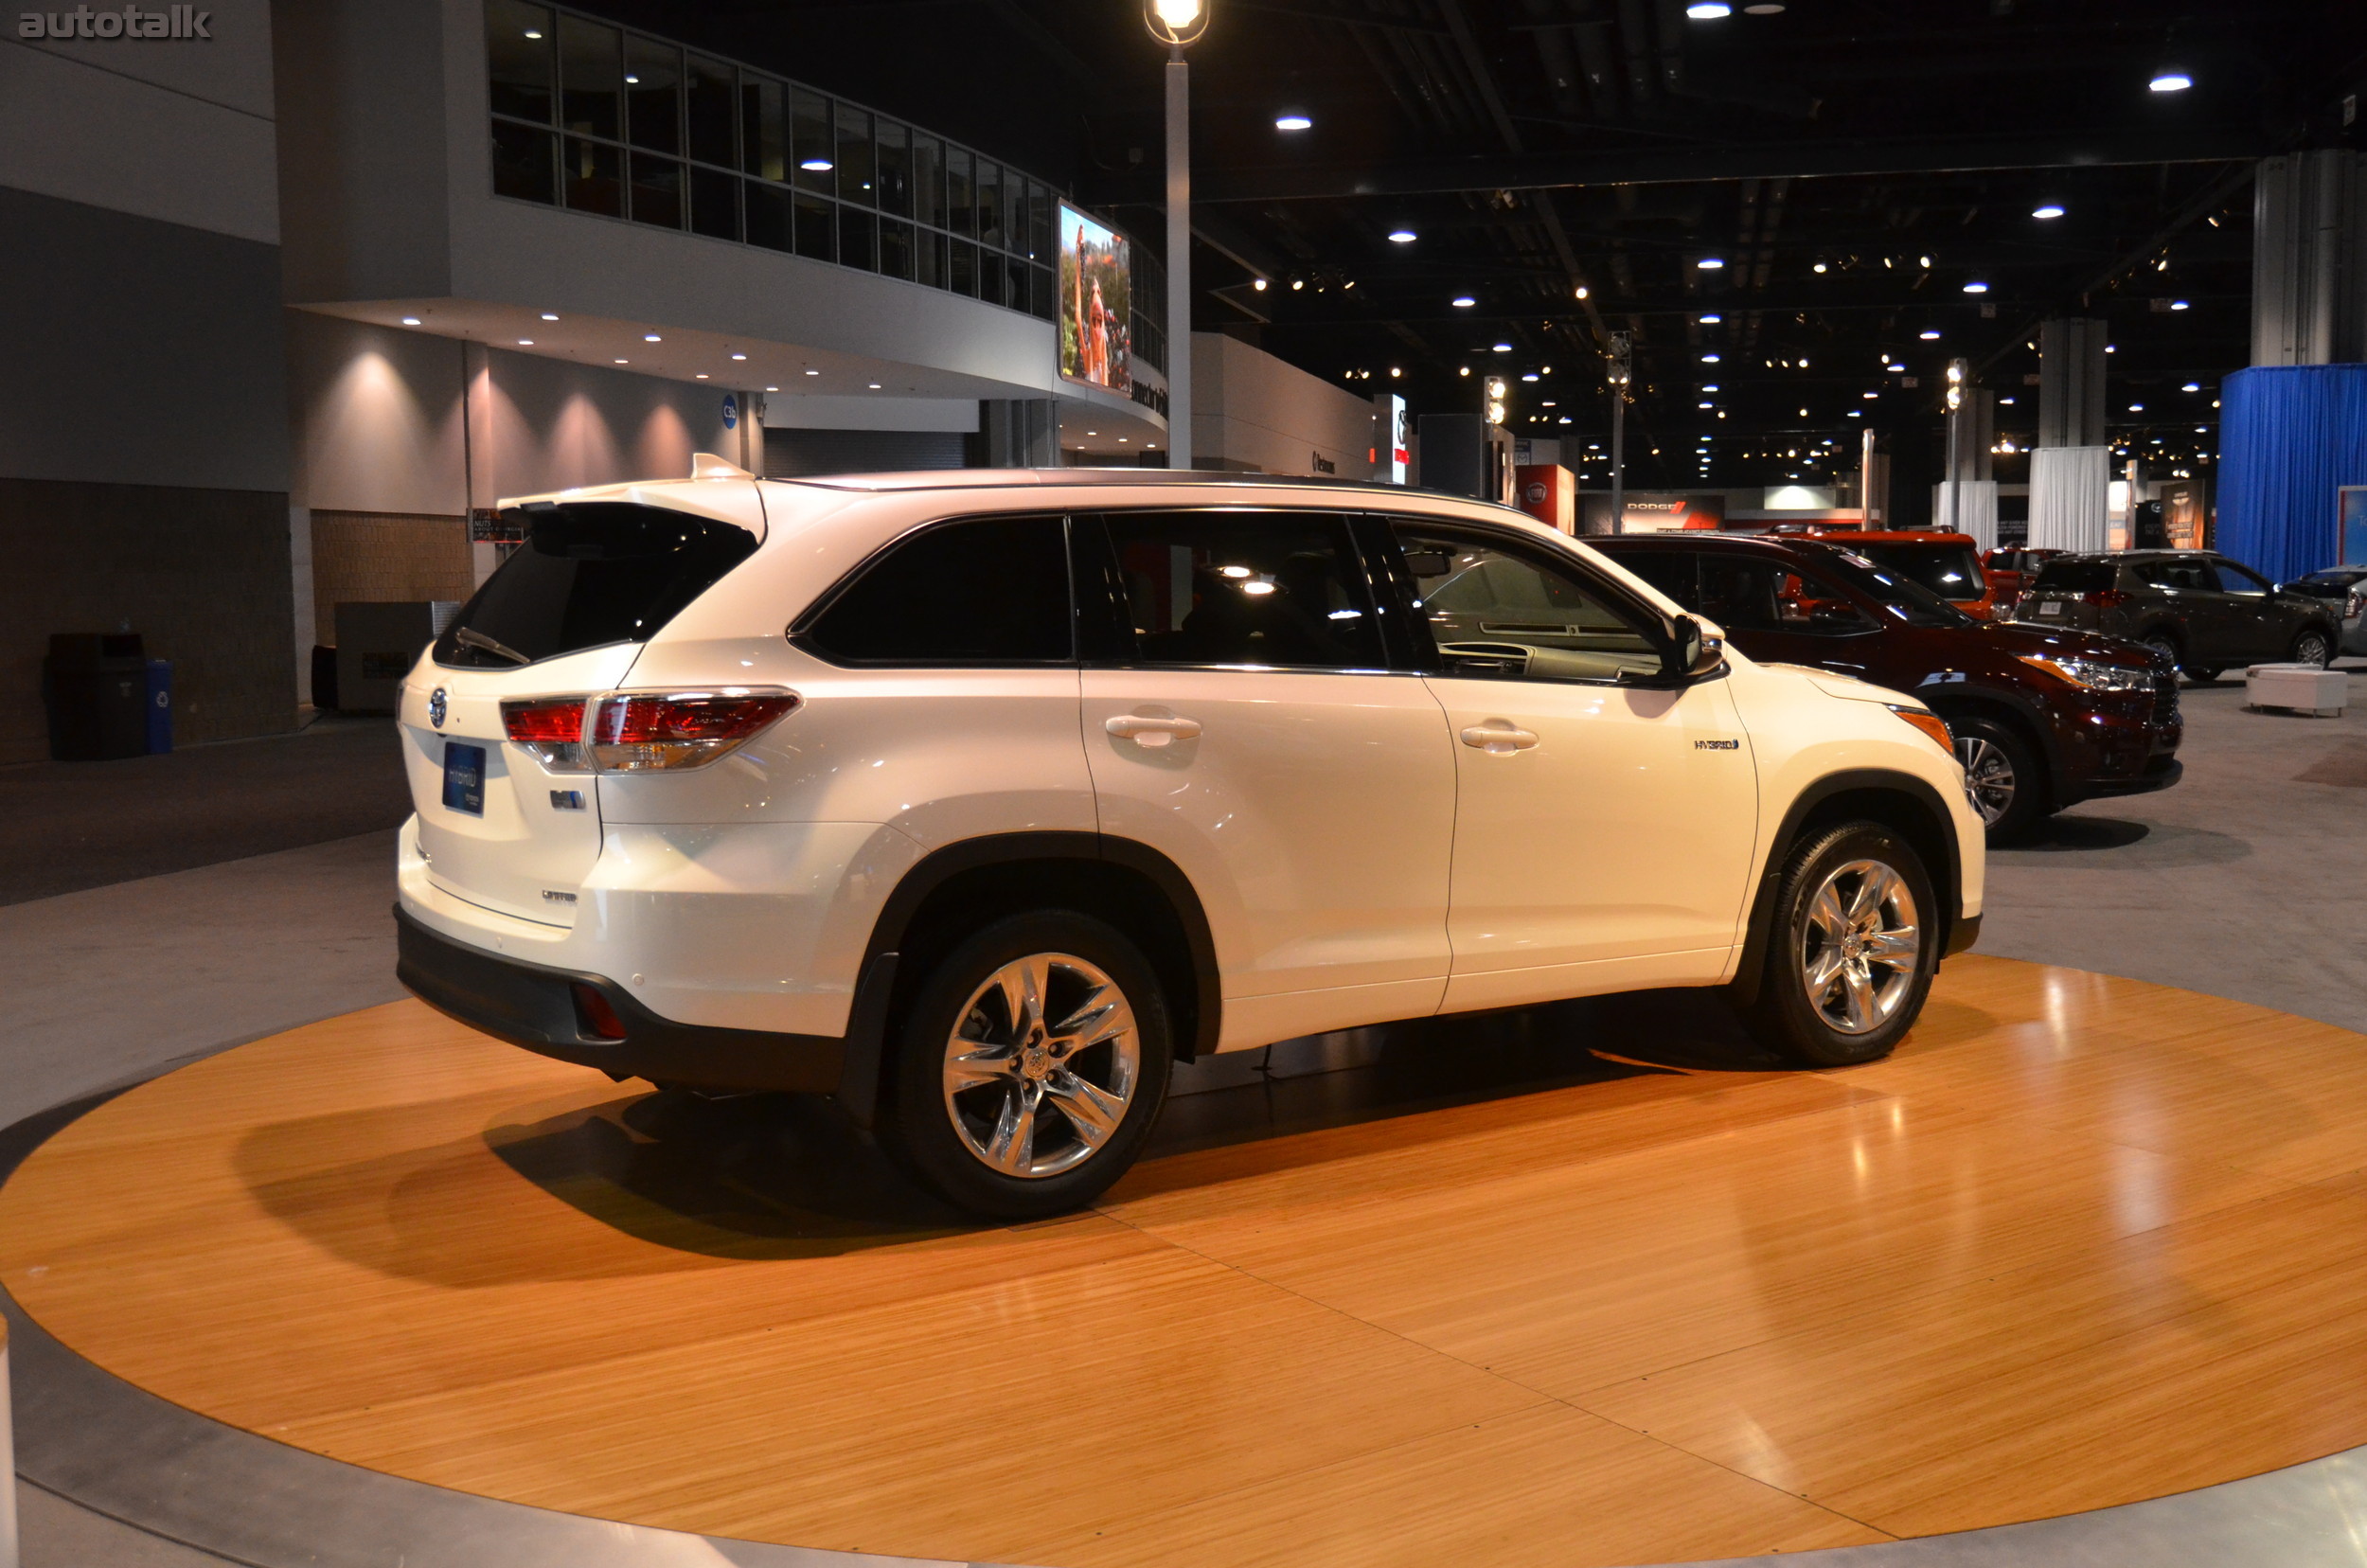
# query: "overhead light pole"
[1178,24]
[1620,372]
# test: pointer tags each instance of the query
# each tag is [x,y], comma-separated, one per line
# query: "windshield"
[1951,571]
[1921,606]
[590,573]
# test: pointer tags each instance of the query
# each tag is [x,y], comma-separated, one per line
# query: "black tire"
[2163,643]
[2312,647]
[1024,1085]
[2204,672]
[2002,774]
[1785,1016]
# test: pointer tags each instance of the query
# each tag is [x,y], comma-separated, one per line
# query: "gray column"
[1018,433]
[2070,384]
[2310,259]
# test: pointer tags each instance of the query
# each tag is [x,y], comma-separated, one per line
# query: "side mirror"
[1691,653]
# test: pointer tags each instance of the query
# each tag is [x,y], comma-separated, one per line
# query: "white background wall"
[1252,411]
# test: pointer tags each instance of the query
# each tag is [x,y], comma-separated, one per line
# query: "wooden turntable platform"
[1506,1300]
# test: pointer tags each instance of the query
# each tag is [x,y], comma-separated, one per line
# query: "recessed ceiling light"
[1402,237]
[1259,285]
[1712,320]
[740,356]
[410,321]
[1292,122]
[624,361]
[1529,378]
[2177,304]
[816,165]
[2191,387]
[547,316]
[1709,10]
[1976,288]
[702,375]
[772,389]
[1710,264]
[1464,302]
[1930,335]
[1711,387]
[534,32]
[2136,408]
[631,80]
[1819,267]
[525,342]
[2049,211]
[1122,440]
[1298,282]
[2170,81]
[1092,433]
[873,386]
[651,337]
[813,372]
[1503,348]
[1705,406]
[1709,358]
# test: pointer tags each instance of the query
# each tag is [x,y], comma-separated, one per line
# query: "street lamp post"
[1619,374]
[1177,24]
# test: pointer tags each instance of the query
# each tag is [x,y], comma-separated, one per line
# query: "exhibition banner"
[1096,298]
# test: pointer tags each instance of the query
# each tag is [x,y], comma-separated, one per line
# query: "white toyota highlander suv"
[975,800]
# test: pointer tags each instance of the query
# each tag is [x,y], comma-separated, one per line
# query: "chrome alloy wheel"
[2311,648]
[1040,1069]
[1988,778]
[1859,946]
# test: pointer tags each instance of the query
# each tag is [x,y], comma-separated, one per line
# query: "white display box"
[2302,687]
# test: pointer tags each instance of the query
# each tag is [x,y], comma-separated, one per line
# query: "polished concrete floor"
[2239,882]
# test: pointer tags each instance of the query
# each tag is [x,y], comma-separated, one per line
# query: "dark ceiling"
[1853,165]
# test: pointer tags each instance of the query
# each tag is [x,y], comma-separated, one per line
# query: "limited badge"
[438,708]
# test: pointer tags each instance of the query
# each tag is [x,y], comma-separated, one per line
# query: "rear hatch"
[2071,593]
[491,716]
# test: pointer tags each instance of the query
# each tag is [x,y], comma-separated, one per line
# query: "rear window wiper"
[469,637]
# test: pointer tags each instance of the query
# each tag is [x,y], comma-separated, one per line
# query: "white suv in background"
[977,799]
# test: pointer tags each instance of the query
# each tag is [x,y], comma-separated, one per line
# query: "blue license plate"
[464,778]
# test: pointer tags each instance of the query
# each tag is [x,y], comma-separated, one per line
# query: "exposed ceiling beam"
[1759,160]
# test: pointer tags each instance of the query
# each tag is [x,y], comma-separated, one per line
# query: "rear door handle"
[1146,731]
[1498,739]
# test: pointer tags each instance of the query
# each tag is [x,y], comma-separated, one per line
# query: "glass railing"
[598,118]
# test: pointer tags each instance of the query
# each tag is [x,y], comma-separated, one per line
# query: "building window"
[594,118]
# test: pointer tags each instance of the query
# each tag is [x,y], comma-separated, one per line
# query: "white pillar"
[2310,259]
[1179,263]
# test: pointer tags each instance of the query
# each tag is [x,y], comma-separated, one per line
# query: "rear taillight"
[633,732]
[550,727]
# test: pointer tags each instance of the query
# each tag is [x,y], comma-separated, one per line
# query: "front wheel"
[1852,950]
[2001,774]
[1030,1066]
[2313,648]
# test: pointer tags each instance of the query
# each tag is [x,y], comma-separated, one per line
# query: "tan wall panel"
[379,557]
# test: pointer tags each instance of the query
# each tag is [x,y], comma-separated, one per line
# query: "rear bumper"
[533,1006]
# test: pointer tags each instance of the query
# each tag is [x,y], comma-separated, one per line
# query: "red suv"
[1948,563]
[2042,717]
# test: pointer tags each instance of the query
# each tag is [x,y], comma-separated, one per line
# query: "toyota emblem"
[437,707]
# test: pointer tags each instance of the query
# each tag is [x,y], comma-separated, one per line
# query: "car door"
[1242,717]
[1778,613]
[2260,625]
[2185,589]
[1604,822]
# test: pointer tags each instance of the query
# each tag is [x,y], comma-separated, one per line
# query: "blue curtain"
[2290,435]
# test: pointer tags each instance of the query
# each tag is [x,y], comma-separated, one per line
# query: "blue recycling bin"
[159,706]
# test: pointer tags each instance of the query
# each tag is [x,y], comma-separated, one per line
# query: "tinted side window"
[2237,580]
[1768,596]
[2076,577]
[2176,574]
[1670,571]
[1496,611]
[989,592]
[1275,588]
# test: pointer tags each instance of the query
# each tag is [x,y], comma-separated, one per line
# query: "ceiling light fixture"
[1709,10]
[525,342]
[816,165]
[2169,80]
[651,337]
[547,316]
[1819,267]
[410,321]
[1402,237]
[1976,288]
[624,361]
[2177,304]
[1930,335]
[873,386]
[1292,122]
[1712,320]
[813,372]
[1710,264]
[740,356]
[1259,285]
[1709,358]
[1463,302]
[702,375]
[1503,348]
[2049,211]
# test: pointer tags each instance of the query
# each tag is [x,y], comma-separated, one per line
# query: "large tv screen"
[1096,302]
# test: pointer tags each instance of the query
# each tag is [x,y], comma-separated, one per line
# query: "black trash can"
[97,685]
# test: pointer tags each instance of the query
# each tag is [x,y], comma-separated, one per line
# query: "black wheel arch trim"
[857,1090]
[1947,878]
[1969,698]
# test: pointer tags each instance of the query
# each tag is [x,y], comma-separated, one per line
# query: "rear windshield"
[590,573]
[2075,577]
[1912,599]
[1951,571]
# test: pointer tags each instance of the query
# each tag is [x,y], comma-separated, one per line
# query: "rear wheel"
[2001,774]
[1030,1066]
[2313,647]
[1854,945]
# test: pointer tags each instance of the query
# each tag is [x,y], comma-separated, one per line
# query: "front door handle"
[1498,739]
[1146,731]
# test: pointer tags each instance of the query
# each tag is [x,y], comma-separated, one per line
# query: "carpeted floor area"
[67,825]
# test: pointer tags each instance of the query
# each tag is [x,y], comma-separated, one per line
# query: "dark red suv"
[2043,719]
